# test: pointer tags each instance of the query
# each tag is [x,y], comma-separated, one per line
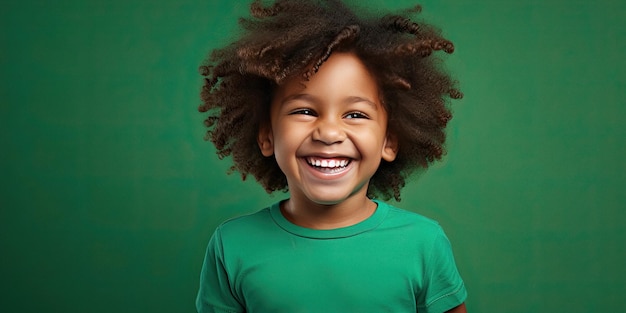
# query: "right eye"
[303,112]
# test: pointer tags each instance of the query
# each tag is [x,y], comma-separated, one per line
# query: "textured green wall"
[109,194]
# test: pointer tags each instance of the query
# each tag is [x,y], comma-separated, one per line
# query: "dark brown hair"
[295,37]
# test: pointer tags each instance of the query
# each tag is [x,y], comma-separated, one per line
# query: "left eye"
[356,115]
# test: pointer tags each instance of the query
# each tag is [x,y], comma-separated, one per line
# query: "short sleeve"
[444,288]
[215,294]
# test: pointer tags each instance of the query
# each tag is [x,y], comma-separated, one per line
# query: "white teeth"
[327,163]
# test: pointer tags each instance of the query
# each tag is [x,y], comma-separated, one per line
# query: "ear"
[390,148]
[265,140]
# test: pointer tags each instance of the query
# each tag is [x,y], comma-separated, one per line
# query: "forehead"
[342,75]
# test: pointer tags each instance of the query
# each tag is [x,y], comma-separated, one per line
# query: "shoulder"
[246,223]
[258,228]
[398,217]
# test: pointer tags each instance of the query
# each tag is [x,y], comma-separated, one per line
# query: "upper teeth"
[327,163]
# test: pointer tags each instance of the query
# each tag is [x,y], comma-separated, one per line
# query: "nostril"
[329,134]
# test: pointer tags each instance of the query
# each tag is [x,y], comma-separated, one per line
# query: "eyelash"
[357,114]
[351,115]
[303,112]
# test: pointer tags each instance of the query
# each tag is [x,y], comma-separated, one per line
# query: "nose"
[328,131]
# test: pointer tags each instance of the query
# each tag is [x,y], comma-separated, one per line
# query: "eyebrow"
[355,99]
[310,98]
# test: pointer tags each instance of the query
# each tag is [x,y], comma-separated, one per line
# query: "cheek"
[372,141]
[284,146]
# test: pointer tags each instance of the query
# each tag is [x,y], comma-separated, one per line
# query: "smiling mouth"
[328,165]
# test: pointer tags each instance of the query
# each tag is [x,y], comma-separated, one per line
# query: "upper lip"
[326,155]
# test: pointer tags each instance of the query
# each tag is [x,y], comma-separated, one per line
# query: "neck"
[306,213]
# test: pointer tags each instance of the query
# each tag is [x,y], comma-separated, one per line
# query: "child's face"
[330,135]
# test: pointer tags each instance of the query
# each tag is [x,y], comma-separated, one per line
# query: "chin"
[329,198]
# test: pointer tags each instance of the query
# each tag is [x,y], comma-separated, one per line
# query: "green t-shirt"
[394,261]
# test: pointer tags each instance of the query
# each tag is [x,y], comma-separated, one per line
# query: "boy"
[335,108]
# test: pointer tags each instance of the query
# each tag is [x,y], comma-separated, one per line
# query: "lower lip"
[327,173]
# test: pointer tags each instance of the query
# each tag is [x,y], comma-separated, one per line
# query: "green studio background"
[109,193]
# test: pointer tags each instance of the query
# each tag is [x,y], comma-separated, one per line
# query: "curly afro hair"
[292,38]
